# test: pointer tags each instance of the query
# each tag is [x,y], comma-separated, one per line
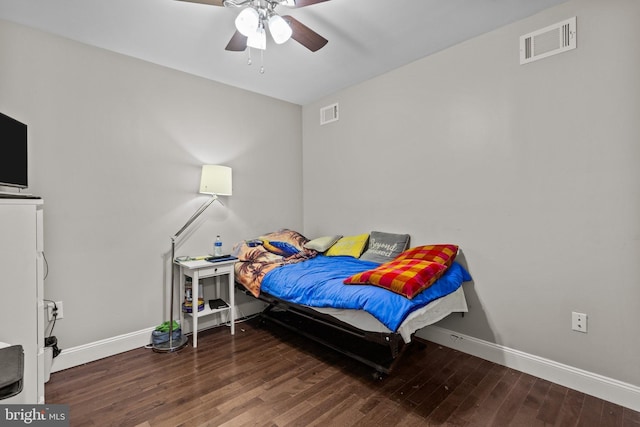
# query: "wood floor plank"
[350,416]
[373,416]
[514,400]
[475,383]
[570,410]
[527,412]
[630,418]
[591,412]
[339,413]
[433,385]
[443,412]
[267,376]
[403,416]
[445,382]
[552,403]
[467,411]
[234,412]
[321,405]
[487,409]
[611,415]
[458,389]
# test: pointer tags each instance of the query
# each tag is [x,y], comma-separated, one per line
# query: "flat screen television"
[13,152]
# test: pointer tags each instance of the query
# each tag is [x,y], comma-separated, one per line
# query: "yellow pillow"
[349,246]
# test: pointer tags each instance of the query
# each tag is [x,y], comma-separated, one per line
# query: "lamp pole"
[180,343]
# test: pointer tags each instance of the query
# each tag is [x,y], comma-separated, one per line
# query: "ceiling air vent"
[329,114]
[548,41]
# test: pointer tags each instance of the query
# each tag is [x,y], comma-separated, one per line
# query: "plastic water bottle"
[217,247]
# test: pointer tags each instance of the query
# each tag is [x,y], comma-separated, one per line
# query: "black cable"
[55,317]
[46,267]
[50,340]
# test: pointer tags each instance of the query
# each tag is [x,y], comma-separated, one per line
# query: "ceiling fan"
[259,15]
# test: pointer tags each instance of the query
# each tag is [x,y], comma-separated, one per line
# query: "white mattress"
[431,313]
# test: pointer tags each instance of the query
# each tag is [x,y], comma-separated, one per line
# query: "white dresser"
[21,290]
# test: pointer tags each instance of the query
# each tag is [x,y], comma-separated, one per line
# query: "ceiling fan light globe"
[247,21]
[257,39]
[280,30]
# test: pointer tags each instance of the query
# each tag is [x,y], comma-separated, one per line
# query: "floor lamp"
[216,181]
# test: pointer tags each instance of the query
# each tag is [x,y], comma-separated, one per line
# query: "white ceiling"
[366,37]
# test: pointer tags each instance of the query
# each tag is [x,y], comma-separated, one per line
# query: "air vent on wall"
[329,114]
[548,41]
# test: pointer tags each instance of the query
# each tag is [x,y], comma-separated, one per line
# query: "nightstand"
[202,269]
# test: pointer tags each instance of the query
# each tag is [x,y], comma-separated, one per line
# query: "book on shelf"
[217,304]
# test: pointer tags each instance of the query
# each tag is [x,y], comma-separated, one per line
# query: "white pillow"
[321,244]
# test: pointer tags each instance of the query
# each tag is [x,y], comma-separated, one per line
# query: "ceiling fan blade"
[303,3]
[211,2]
[305,35]
[238,43]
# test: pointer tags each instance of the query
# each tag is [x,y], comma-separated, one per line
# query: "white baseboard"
[86,353]
[605,388]
[90,352]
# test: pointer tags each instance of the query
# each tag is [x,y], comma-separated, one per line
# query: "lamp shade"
[258,39]
[247,21]
[216,179]
[280,30]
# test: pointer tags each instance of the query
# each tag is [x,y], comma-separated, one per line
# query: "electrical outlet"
[579,322]
[54,311]
[60,312]
[49,310]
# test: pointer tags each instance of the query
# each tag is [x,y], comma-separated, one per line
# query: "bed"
[363,295]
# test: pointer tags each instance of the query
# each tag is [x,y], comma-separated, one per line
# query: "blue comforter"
[318,282]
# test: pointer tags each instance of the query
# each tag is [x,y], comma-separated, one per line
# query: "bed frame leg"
[377,375]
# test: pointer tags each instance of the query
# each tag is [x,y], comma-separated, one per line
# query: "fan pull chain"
[249,61]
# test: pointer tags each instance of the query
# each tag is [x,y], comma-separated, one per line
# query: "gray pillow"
[384,247]
[322,244]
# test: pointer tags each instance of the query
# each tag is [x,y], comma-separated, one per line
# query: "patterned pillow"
[349,246]
[321,244]
[442,254]
[271,247]
[406,277]
[385,247]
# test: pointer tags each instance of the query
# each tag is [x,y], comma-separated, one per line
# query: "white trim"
[96,350]
[100,349]
[609,389]
[605,388]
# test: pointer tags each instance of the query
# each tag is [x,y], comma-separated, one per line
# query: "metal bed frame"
[378,350]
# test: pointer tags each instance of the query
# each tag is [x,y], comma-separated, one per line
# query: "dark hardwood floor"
[268,376]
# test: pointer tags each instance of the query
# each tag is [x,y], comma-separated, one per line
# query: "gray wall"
[532,170]
[116,146]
